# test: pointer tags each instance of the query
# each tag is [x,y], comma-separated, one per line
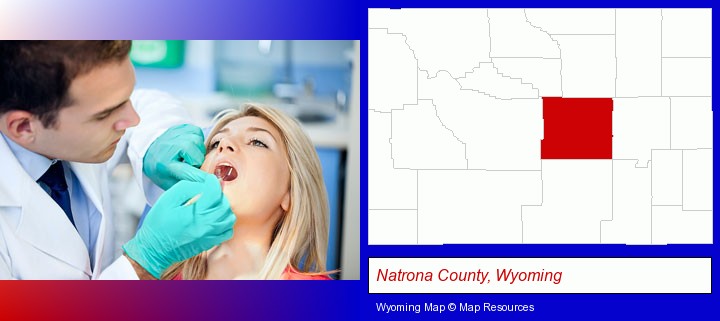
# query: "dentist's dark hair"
[35,76]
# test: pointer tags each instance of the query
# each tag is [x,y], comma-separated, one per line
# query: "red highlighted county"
[577,128]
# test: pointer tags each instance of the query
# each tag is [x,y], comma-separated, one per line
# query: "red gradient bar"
[577,128]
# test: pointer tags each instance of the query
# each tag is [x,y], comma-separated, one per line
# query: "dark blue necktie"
[54,178]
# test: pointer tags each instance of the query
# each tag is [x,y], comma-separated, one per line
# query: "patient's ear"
[286,201]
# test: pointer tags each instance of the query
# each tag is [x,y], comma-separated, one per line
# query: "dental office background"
[315,81]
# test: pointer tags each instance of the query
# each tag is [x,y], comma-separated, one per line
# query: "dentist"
[68,116]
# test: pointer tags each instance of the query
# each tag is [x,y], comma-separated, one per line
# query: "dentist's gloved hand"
[174,156]
[173,232]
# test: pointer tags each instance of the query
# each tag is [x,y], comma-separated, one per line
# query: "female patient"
[271,175]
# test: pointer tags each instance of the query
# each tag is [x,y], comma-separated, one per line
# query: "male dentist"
[68,115]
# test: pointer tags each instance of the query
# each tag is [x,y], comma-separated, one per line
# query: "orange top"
[291,273]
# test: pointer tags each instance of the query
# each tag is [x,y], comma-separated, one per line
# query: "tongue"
[225,173]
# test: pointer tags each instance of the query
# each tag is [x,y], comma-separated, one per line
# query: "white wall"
[350,257]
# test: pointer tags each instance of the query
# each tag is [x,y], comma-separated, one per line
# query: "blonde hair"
[300,237]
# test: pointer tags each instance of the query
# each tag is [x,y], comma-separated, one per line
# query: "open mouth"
[225,172]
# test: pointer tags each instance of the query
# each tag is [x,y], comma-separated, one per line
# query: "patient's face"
[249,156]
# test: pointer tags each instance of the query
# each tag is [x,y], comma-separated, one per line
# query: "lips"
[225,172]
[120,137]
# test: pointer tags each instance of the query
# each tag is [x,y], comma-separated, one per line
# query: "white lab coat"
[37,241]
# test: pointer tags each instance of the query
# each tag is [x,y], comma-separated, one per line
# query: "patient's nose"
[226,146]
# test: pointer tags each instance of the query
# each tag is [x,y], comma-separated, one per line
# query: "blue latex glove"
[174,156]
[173,231]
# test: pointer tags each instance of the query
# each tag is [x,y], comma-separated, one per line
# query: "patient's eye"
[257,143]
[214,144]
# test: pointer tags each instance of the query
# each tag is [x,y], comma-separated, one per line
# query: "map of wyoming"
[540,126]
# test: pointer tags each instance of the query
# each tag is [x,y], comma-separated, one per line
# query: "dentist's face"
[100,110]
[250,156]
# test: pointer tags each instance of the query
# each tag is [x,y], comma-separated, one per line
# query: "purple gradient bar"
[177,300]
[168,19]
